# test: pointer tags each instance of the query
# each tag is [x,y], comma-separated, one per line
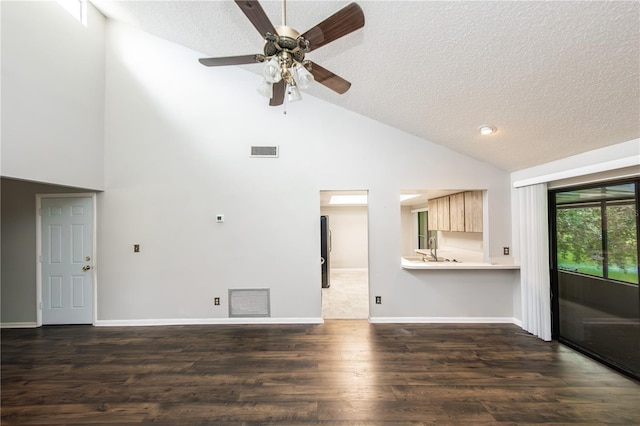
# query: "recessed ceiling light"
[487,130]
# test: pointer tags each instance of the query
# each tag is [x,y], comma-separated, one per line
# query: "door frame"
[367,191]
[94,248]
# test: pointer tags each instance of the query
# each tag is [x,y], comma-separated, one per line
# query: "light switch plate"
[220,218]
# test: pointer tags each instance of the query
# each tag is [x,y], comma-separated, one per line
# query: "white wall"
[177,154]
[52,94]
[348,235]
[409,229]
[18,254]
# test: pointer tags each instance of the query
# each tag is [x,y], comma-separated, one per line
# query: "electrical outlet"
[136,248]
[378,300]
[505,251]
[216,301]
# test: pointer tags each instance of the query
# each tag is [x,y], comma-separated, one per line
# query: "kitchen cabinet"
[461,212]
[439,214]
[457,212]
[443,214]
[473,211]
[433,214]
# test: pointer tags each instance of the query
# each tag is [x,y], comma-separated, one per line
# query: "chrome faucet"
[433,251]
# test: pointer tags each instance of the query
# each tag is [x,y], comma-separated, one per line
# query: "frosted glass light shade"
[271,71]
[303,77]
[266,89]
[293,94]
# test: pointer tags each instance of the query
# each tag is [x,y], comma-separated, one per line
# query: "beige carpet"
[348,296]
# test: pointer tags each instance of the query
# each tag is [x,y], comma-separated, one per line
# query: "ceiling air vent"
[264,151]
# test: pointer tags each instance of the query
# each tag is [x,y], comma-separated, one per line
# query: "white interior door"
[67,260]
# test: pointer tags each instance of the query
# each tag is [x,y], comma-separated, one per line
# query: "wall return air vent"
[249,302]
[264,151]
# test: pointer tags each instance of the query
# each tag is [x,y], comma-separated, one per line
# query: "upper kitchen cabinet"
[473,211]
[457,212]
[443,214]
[461,212]
[439,217]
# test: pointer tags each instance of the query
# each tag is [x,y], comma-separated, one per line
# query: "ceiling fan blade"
[329,79]
[341,23]
[255,13]
[229,60]
[278,93]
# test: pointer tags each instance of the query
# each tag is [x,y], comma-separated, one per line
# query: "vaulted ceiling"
[555,78]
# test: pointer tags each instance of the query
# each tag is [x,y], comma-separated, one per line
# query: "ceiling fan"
[285,48]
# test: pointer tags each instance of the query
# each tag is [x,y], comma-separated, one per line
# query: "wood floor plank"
[317,393]
[343,372]
[76,413]
[237,411]
[470,412]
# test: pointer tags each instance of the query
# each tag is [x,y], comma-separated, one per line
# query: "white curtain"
[534,260]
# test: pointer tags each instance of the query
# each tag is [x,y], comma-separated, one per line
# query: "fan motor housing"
[287,40]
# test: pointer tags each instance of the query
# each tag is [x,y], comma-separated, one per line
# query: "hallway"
[348,296]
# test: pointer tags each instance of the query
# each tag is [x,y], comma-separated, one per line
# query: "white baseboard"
[204,321]
[18,325]
[446,320]
[214,321]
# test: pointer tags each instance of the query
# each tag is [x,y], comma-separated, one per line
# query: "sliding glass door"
[596,302]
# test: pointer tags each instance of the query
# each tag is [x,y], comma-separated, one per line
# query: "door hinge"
[40,305]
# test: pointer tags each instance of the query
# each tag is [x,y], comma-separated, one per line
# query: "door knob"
[86,268]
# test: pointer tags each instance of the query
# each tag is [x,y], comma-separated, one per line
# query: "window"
[77,8]
[423,229]
[596,232]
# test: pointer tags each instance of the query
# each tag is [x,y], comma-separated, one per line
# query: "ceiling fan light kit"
[285,68]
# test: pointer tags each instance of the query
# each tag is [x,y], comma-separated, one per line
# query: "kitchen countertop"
[446,262]
[409,264]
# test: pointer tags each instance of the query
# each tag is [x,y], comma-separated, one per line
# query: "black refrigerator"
[325,250]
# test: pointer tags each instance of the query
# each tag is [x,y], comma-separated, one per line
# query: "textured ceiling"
[556,78]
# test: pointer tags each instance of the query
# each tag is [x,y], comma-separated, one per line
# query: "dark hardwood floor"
[344,372]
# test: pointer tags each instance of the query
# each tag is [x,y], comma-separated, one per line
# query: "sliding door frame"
[553,265]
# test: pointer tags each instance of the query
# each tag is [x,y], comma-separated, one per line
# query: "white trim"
[608,176]
[94,236]
[204,321]
[421,209]
[94,263]
[18,325]
[38,261]
[446,320]
[580,171]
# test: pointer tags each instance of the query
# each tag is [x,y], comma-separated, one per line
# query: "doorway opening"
[345,254]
